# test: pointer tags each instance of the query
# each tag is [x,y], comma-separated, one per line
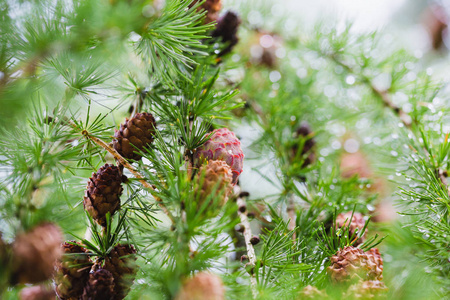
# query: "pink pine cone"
[223,145]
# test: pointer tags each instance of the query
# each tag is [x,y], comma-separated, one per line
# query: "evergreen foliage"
[72,71]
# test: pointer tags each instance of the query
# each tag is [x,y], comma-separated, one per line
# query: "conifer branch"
[125,163]
[383,95]
[242,212]
[386,99]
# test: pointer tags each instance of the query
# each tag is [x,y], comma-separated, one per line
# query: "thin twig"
[291,215]
[386,98]
[242,212]
[381,94]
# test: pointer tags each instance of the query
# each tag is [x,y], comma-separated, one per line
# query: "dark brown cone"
[350,263]
[35,254]
[372,289]
[226,31]
[203,286]
[72,272]
[212,8]
[355,224]
[135,134]
[103,193]
[305,131]
[37,292]
[121,263]
[100,286]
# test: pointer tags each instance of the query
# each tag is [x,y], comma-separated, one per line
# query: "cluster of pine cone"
[104,188]
[363,271]
[110,277]
[219,162]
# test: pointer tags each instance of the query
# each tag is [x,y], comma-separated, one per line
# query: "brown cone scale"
[35,254]
[121,263]
[134,135]
[350,263]
[72,272]
[103,193]
[100,286]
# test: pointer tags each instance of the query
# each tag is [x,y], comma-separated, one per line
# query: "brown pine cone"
[311,292]
[121,263]
[100,286]
[203,286]
[355,224]
[212,8]
[226,31]
[134,135]
[348,263]
[305,131]
[375,264]
[351,262]
[72,272]
[215,176]
[35,254]
[37,292]
[372,289]
[103,193]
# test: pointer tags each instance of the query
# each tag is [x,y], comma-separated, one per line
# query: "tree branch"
[127,165]
[242,212]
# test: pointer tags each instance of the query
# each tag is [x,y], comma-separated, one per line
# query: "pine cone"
[134,135]
[375,264]
[356,224]
[305,131]
[35,254]
[366,290]
[37,292]
[212,8]
[351,262]
[103,193]
[311,292]
[215,176]
[226,31]
[100,286]
[121,263]
[72,272]
[223,145]
[203,286]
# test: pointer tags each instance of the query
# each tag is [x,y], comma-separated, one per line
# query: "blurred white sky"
[367,14]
